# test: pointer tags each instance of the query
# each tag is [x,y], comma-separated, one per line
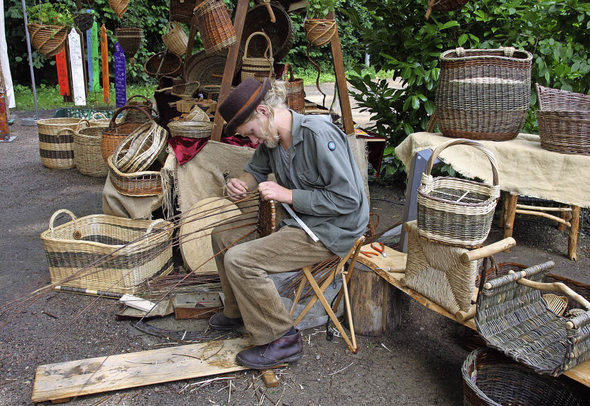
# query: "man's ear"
[262,109]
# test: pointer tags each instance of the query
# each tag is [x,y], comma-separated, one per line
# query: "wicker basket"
[84,21]
[175,39]
[134,115]
[564,121]
[56,142]
[107,253]
[513,317]
[279,32]
[190,129]
[207,69]
[140,149]
[295,91]
[116,131]
[87,155]
[319,31]
[49,40]
[182,10]
[215,26]
[456,211]
[129,40]
[489,378]
[170,66]
[258,67]
[119,6]
[146,183]
[483,93]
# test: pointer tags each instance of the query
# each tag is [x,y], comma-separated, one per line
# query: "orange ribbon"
[104,53]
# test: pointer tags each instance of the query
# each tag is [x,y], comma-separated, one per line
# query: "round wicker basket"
[279,32]
[163,64]
[49,40]
[190,129]
[117,131]
[87,154]
[56,142]
[175,39]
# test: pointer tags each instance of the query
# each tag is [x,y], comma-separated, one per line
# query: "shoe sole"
[226,328]
[292,358]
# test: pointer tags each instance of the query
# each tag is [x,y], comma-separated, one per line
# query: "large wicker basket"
[146,183]
[215,26]
[491,379]
[280,32]
[49,40]
[456,211]
[107,253]
[483,93]
[163,64]
[182,10]
[175,39]
[56,142]
[564,121]
[87,155]
[258,67]
[295,91]
[116,131]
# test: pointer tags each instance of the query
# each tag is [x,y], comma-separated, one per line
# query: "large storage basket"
[87,154]
[483,93]
[145,183]
[56,142]
[107,253]
[489,378]
[215,26]
[456,211]
[295,91]
[258,67]
[116,132]
[564,121]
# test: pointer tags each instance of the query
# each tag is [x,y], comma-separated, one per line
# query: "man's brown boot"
[220,322]
[288,348]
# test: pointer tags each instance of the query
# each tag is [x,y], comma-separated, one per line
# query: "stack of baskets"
[107,253]
[455,211]
[483,94]
[564,121]
[56,142]
[117,131]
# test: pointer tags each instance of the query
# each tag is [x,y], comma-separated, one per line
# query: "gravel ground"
[419,364]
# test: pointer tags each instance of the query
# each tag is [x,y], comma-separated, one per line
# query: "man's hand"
[236,189]
[273,191]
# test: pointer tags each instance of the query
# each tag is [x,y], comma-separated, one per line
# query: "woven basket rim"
[442,180]
[481,54]
[130,175]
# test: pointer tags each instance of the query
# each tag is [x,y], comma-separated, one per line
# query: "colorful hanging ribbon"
[77,68]
[104,53]
[62,73]
[120,76]
[95,61]
[89,58]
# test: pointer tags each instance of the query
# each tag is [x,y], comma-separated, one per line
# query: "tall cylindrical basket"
[215,26]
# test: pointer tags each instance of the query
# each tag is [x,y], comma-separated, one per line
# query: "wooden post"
[230,67]
[573,236]
[512,200]
[503,210]
[341,83]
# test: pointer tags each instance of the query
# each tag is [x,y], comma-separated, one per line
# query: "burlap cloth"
[523,166]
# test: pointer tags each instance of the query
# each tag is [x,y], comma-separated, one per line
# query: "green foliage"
[50,14]
[321,8]
[399,39]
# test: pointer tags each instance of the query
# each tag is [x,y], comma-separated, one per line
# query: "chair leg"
[313,300]
[297,295]
[512,200]
[320,295]
[503,209]
[355,347]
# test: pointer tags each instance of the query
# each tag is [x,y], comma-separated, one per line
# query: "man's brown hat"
[240,103]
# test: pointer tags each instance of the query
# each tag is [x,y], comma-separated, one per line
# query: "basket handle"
[98,116]
[57,213]
[83,121]
[268,44]
[140,96]
[462,141]
[65,131]
[113,123]
[151,226]
[289,70]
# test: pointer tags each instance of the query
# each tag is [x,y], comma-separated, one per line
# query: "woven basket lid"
[195,240]
[280,33]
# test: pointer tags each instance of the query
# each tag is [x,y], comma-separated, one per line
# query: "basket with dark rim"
[279,32]
[129,39]
[182,10]
[483,94]
[144,183]
[258,67]
[116,131]
[87,155]
[163,64]
[513,316]
[491,379]
[190,129]
[564,121]
[56,142]
[49,40]
[107,253]
[295,91]
[215,26]
[456,211]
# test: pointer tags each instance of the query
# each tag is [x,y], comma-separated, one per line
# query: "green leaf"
[462,39]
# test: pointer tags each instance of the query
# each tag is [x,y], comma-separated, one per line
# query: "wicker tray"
[107,253]
[146,183]
[456,211]
[489,378]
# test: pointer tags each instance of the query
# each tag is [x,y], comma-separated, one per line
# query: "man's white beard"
[269,134]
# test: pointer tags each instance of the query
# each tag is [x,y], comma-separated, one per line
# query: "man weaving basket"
[317,175]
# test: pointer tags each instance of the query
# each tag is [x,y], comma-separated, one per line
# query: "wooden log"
[269,378]
[542,214]
[511,202]
[488,250]
[573,236]
[376,305]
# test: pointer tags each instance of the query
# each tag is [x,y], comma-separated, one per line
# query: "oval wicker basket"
[456,211]
[190,129]
[146,183]
[483,94]
[564,121]
[140,149]
[215,25]
[279,32]
[56,142]
[491,379]
[87,154]
[175,39]
[129,40]
[48,40]
[170,66]
[116,131]
[295,91]
[319,31]
[258,67]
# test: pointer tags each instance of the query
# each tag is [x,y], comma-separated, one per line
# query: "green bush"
[402,41]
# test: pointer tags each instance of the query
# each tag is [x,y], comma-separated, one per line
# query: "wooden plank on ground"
[122,371]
